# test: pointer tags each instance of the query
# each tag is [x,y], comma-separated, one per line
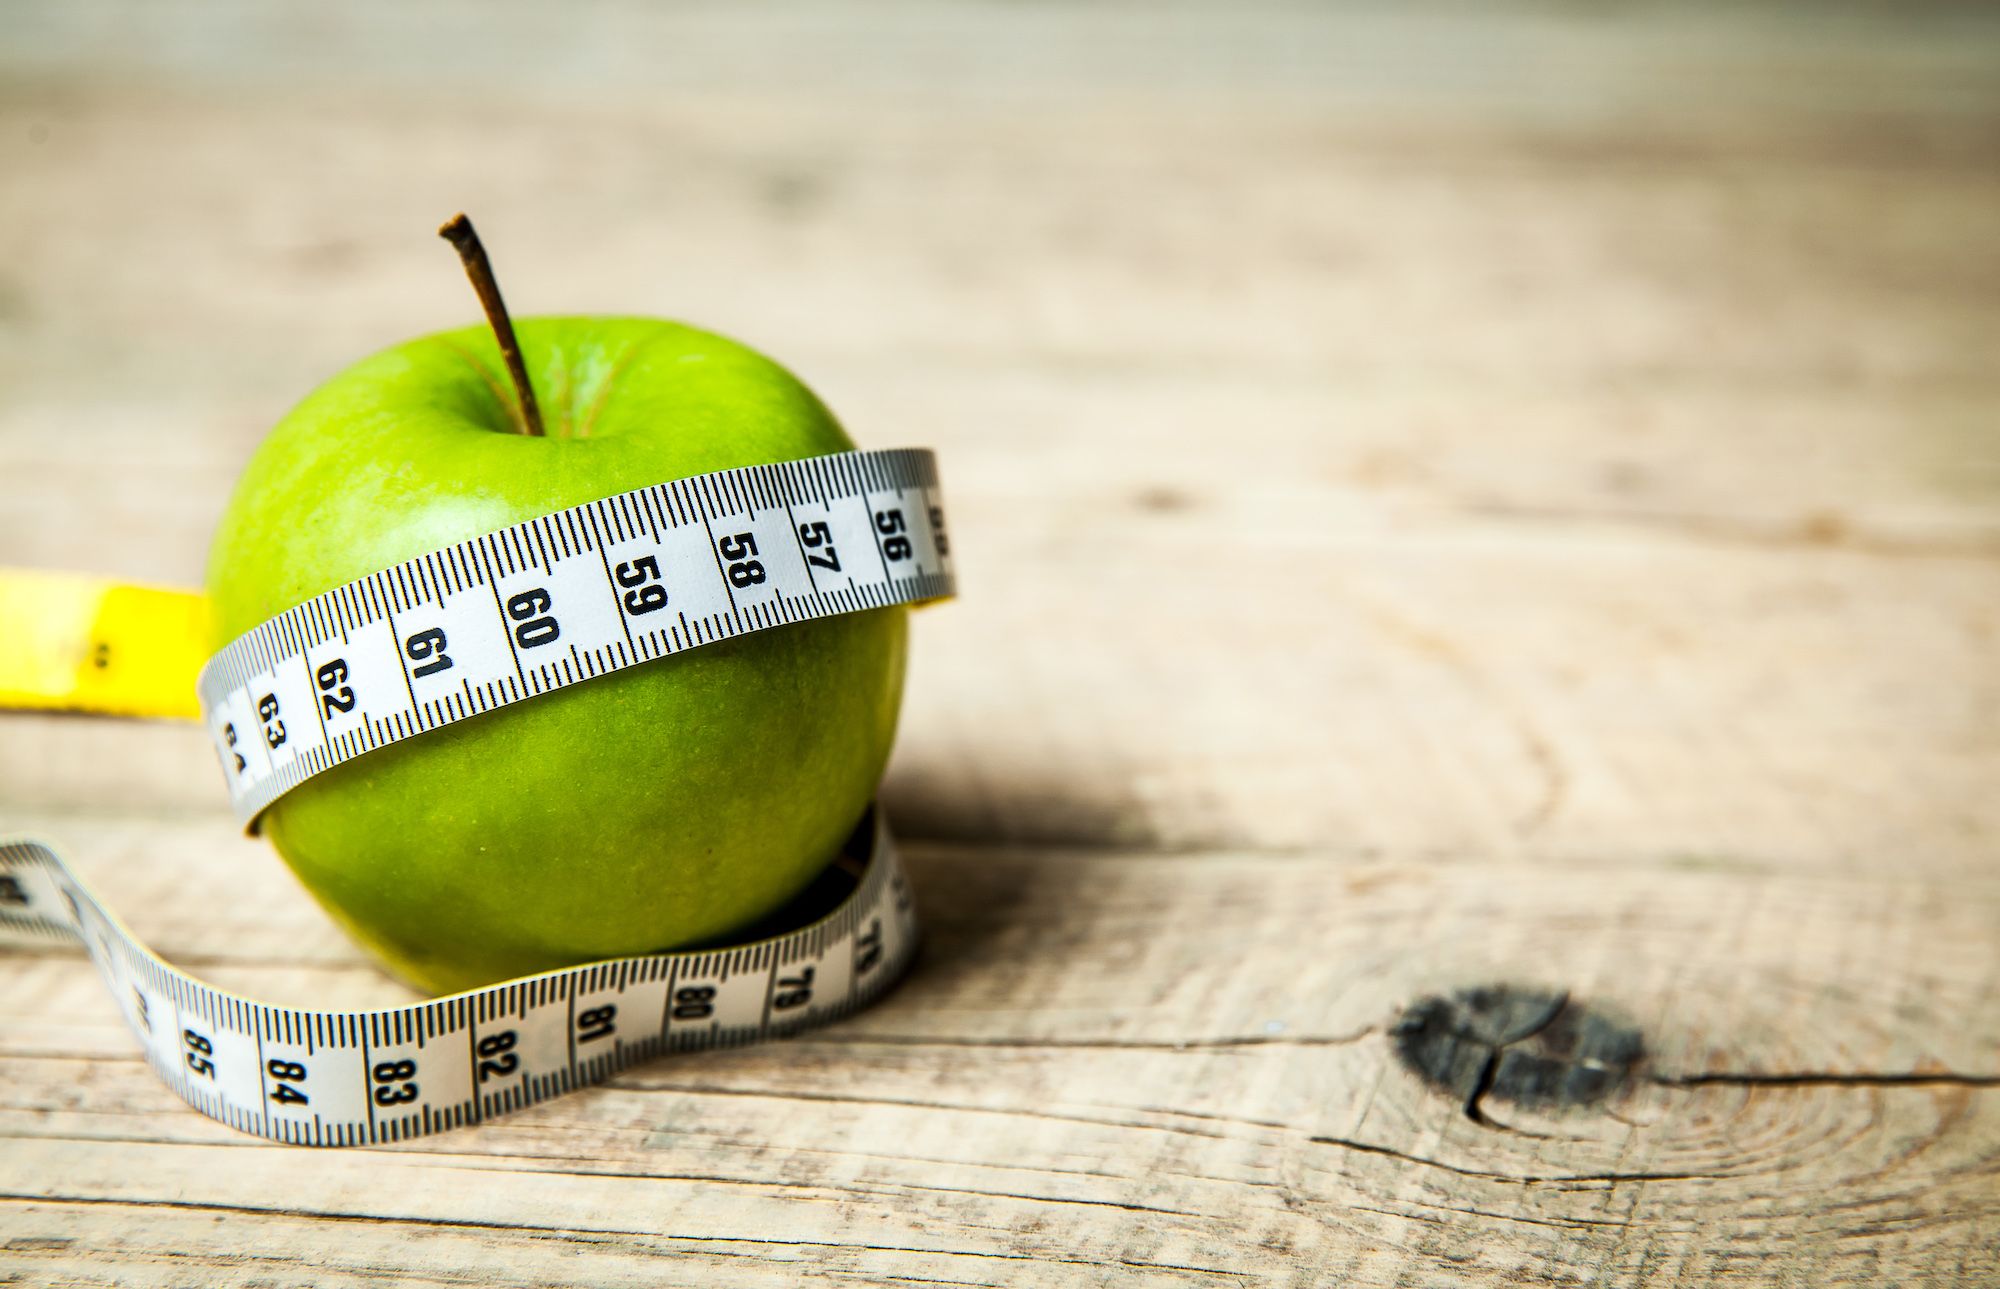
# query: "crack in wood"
[1092,1044]
[1557,1223]
[1514,1179]
[947,1107]
[832,1193]
[1830,1078]
[534,1231]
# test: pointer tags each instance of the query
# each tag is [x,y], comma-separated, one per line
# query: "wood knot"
[1161,499]
[1534,1047]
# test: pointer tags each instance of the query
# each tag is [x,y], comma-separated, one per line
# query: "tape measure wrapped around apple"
[445,592]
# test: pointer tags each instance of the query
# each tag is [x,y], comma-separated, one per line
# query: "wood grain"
[1448,500]
[1076,1077]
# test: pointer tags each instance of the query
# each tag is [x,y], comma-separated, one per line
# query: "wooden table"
[1470,749]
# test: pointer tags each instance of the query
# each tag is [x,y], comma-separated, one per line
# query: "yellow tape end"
[76,643]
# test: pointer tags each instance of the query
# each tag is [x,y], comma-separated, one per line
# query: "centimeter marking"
[562,598]
[332,1078]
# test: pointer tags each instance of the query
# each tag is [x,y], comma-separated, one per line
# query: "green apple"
[659,806]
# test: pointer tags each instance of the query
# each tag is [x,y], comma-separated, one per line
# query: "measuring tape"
[476,626]
[571,595]
[332,1078]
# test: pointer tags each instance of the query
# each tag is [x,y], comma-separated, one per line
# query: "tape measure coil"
[460,631]
[331,1078]
[343,1078]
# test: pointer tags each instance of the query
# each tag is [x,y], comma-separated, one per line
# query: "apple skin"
[663,805]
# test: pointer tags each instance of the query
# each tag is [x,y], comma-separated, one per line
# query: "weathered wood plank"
[1078,1072]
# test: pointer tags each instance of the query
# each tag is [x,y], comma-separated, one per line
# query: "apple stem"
[458,231]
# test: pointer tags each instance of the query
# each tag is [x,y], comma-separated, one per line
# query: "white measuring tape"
[332,1078]
[571,595]
[479,625]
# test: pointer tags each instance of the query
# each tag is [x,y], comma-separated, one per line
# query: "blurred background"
[1429,430]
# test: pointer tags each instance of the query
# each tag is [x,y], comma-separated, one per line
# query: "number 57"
[817,537]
